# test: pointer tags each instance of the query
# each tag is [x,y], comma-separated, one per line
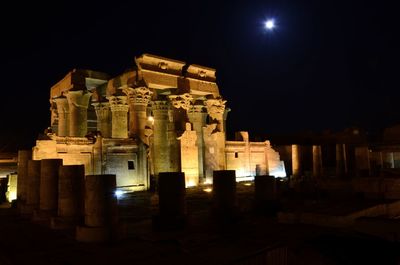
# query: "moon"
[270,24]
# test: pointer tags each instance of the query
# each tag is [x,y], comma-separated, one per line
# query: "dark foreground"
[204,241]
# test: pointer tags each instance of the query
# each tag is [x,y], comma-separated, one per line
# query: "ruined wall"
[253,158]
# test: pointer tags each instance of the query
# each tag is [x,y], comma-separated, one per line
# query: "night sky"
[327,65]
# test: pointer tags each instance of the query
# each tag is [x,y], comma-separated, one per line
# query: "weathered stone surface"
[70,191]
[171,190]
[78,102]
[190,157]
[224,191]
[100,200]
[49,184]
[33,192]
[23,157]
[265,188]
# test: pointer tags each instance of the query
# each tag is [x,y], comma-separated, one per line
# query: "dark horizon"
[327,65]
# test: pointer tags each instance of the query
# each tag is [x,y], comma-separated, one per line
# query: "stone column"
[317,161]
[362,161]
[138,100]
[119,110]
[78,102]
[296,161]
[224,192]
[171,193]
[189,154]
[101,218]
[388,159]
[48,200]
[22,181]
[265,188]
[54,116]
[197,116]
[216,110]
[103,118]
[180,105]
[214,137]
[341,163]
[265,193]
[160,152]
[63,116]
[70,196]
[33,192]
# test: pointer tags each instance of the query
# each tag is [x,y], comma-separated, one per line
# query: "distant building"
[163,115]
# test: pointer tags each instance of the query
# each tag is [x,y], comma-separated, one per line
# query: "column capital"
[138,95]
[160,105]
[197,109]
[215,107]
[118,103]
[181,101]
[62,104]
[101,105]
[79,98]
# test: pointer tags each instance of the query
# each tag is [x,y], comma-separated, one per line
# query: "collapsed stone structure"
[162,116]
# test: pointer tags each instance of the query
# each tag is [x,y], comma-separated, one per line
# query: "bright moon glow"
[270,24]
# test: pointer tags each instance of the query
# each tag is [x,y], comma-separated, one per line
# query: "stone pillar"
[388,159]
[63,116]
[171,191]
[53,116]
[138,100]
[214,137]
[362,161]
[12,187]
[78,102]
[216,110]
[317,161]
[224,192]
[161,154]
[103,118]
[70,196]
[119,110]
[101,218]
[341,163]
[265,188]
[296,161]
[189,154]
[265,193]
[197,116]
[226,111]
[33,192]
[48,200]
[22,181]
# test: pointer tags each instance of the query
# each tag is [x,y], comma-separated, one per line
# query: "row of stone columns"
[172,206]
[63,196]
[299,163]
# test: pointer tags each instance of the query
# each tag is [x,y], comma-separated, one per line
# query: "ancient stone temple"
[162,116]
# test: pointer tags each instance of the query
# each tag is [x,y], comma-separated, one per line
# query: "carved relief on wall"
[181,101]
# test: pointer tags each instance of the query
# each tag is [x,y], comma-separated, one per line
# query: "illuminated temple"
[161,116]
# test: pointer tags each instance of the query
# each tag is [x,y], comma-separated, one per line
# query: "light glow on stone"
[119,193]
[207,189]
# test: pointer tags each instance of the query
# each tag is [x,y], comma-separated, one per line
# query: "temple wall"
[253,158]
[119,160]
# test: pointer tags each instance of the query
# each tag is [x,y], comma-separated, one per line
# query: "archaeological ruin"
[163,115]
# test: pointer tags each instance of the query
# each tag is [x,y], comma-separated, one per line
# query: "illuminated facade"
[162,116]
